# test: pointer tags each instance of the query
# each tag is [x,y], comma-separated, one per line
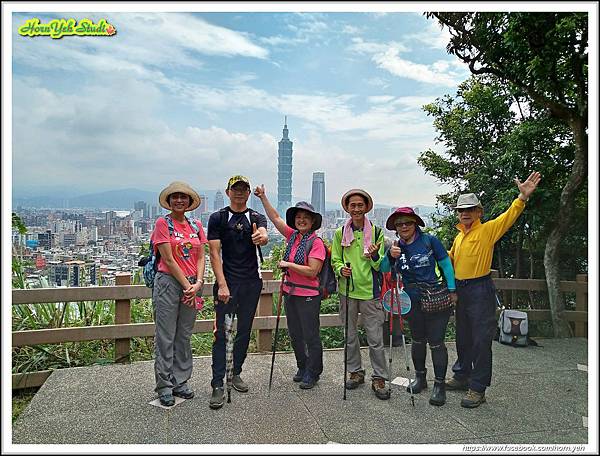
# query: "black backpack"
[327,280]
[253,219]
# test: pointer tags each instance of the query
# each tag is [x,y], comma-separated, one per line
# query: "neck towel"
[348,234]
[299,257]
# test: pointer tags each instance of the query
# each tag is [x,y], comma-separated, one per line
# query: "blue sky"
[200,96]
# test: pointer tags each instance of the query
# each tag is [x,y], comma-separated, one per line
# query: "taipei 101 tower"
[284,172]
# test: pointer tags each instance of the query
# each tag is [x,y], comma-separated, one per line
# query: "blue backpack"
[150,262]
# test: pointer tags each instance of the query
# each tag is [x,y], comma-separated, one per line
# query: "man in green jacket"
[359,243]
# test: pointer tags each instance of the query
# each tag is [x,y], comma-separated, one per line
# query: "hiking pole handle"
[260,255]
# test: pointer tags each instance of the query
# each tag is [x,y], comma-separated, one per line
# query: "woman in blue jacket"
[414,256]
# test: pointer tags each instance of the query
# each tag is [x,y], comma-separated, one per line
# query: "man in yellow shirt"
[471,256]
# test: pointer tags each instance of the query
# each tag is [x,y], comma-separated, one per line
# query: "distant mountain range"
[124,199]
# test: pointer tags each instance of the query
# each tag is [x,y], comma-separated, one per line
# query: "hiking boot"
[166,399]
[356,378]
[454,384]
[438,393]
[183,391]
[419,383]
[378,385]
[473,399]
[308,381]
[299,376]
[239,384]
[217,399]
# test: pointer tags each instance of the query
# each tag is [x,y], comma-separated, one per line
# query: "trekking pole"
[391,317]
[400,295]
[346,331]
[276,328]
[412,396]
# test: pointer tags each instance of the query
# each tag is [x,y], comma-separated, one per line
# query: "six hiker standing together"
[358,257]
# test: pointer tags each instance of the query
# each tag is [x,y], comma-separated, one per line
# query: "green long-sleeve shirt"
[363,284]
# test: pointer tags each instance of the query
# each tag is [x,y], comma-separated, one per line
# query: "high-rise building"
[141,206]
[318,192]
[284,172]
[203,205]
[45,240]
[219,201]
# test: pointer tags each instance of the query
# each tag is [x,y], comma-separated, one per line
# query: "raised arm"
[528,187]
[270,210]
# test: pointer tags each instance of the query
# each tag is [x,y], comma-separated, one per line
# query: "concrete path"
[538,396]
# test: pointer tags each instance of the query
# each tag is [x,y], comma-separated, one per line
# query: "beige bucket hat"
[467,200]
[181,187]
[357,191]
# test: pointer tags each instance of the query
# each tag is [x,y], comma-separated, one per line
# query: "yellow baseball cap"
[238,178]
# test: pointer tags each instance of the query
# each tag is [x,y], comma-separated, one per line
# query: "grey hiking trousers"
[174,324]
[373,317]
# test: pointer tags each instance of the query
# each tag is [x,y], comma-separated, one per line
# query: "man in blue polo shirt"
[234,233]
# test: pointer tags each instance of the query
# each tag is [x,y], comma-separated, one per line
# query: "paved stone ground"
[538,396]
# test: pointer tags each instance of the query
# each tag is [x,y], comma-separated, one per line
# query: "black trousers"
[428,328]
[475,330]
[303,324]
[244,301]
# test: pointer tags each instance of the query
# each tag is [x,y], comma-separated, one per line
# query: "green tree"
[18,265]
[487,143]
[17,224]
[543,56]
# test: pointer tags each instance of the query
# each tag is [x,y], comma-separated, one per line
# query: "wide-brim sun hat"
[357,191]
[467,200]
[403,212]
[179,187]
[290,215]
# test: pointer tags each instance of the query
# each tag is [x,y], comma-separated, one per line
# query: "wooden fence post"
[581,304]
[122,316]
[265,308]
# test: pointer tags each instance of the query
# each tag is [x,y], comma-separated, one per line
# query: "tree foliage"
[543,57]
[487,142]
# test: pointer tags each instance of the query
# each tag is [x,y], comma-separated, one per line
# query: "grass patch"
[20,401]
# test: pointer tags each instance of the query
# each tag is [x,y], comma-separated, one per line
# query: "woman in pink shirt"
[180,243]
[302,262]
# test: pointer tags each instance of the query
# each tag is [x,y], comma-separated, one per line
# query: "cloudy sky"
[199,96]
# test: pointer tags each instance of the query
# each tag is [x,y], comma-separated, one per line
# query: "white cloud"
[380,99]
[115,142]
[280,40]
[433,35]
[365,47]
[391,178]
[430,74]
[143,42]
[108,129]
[378,82]
[387,57]
[351,30]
